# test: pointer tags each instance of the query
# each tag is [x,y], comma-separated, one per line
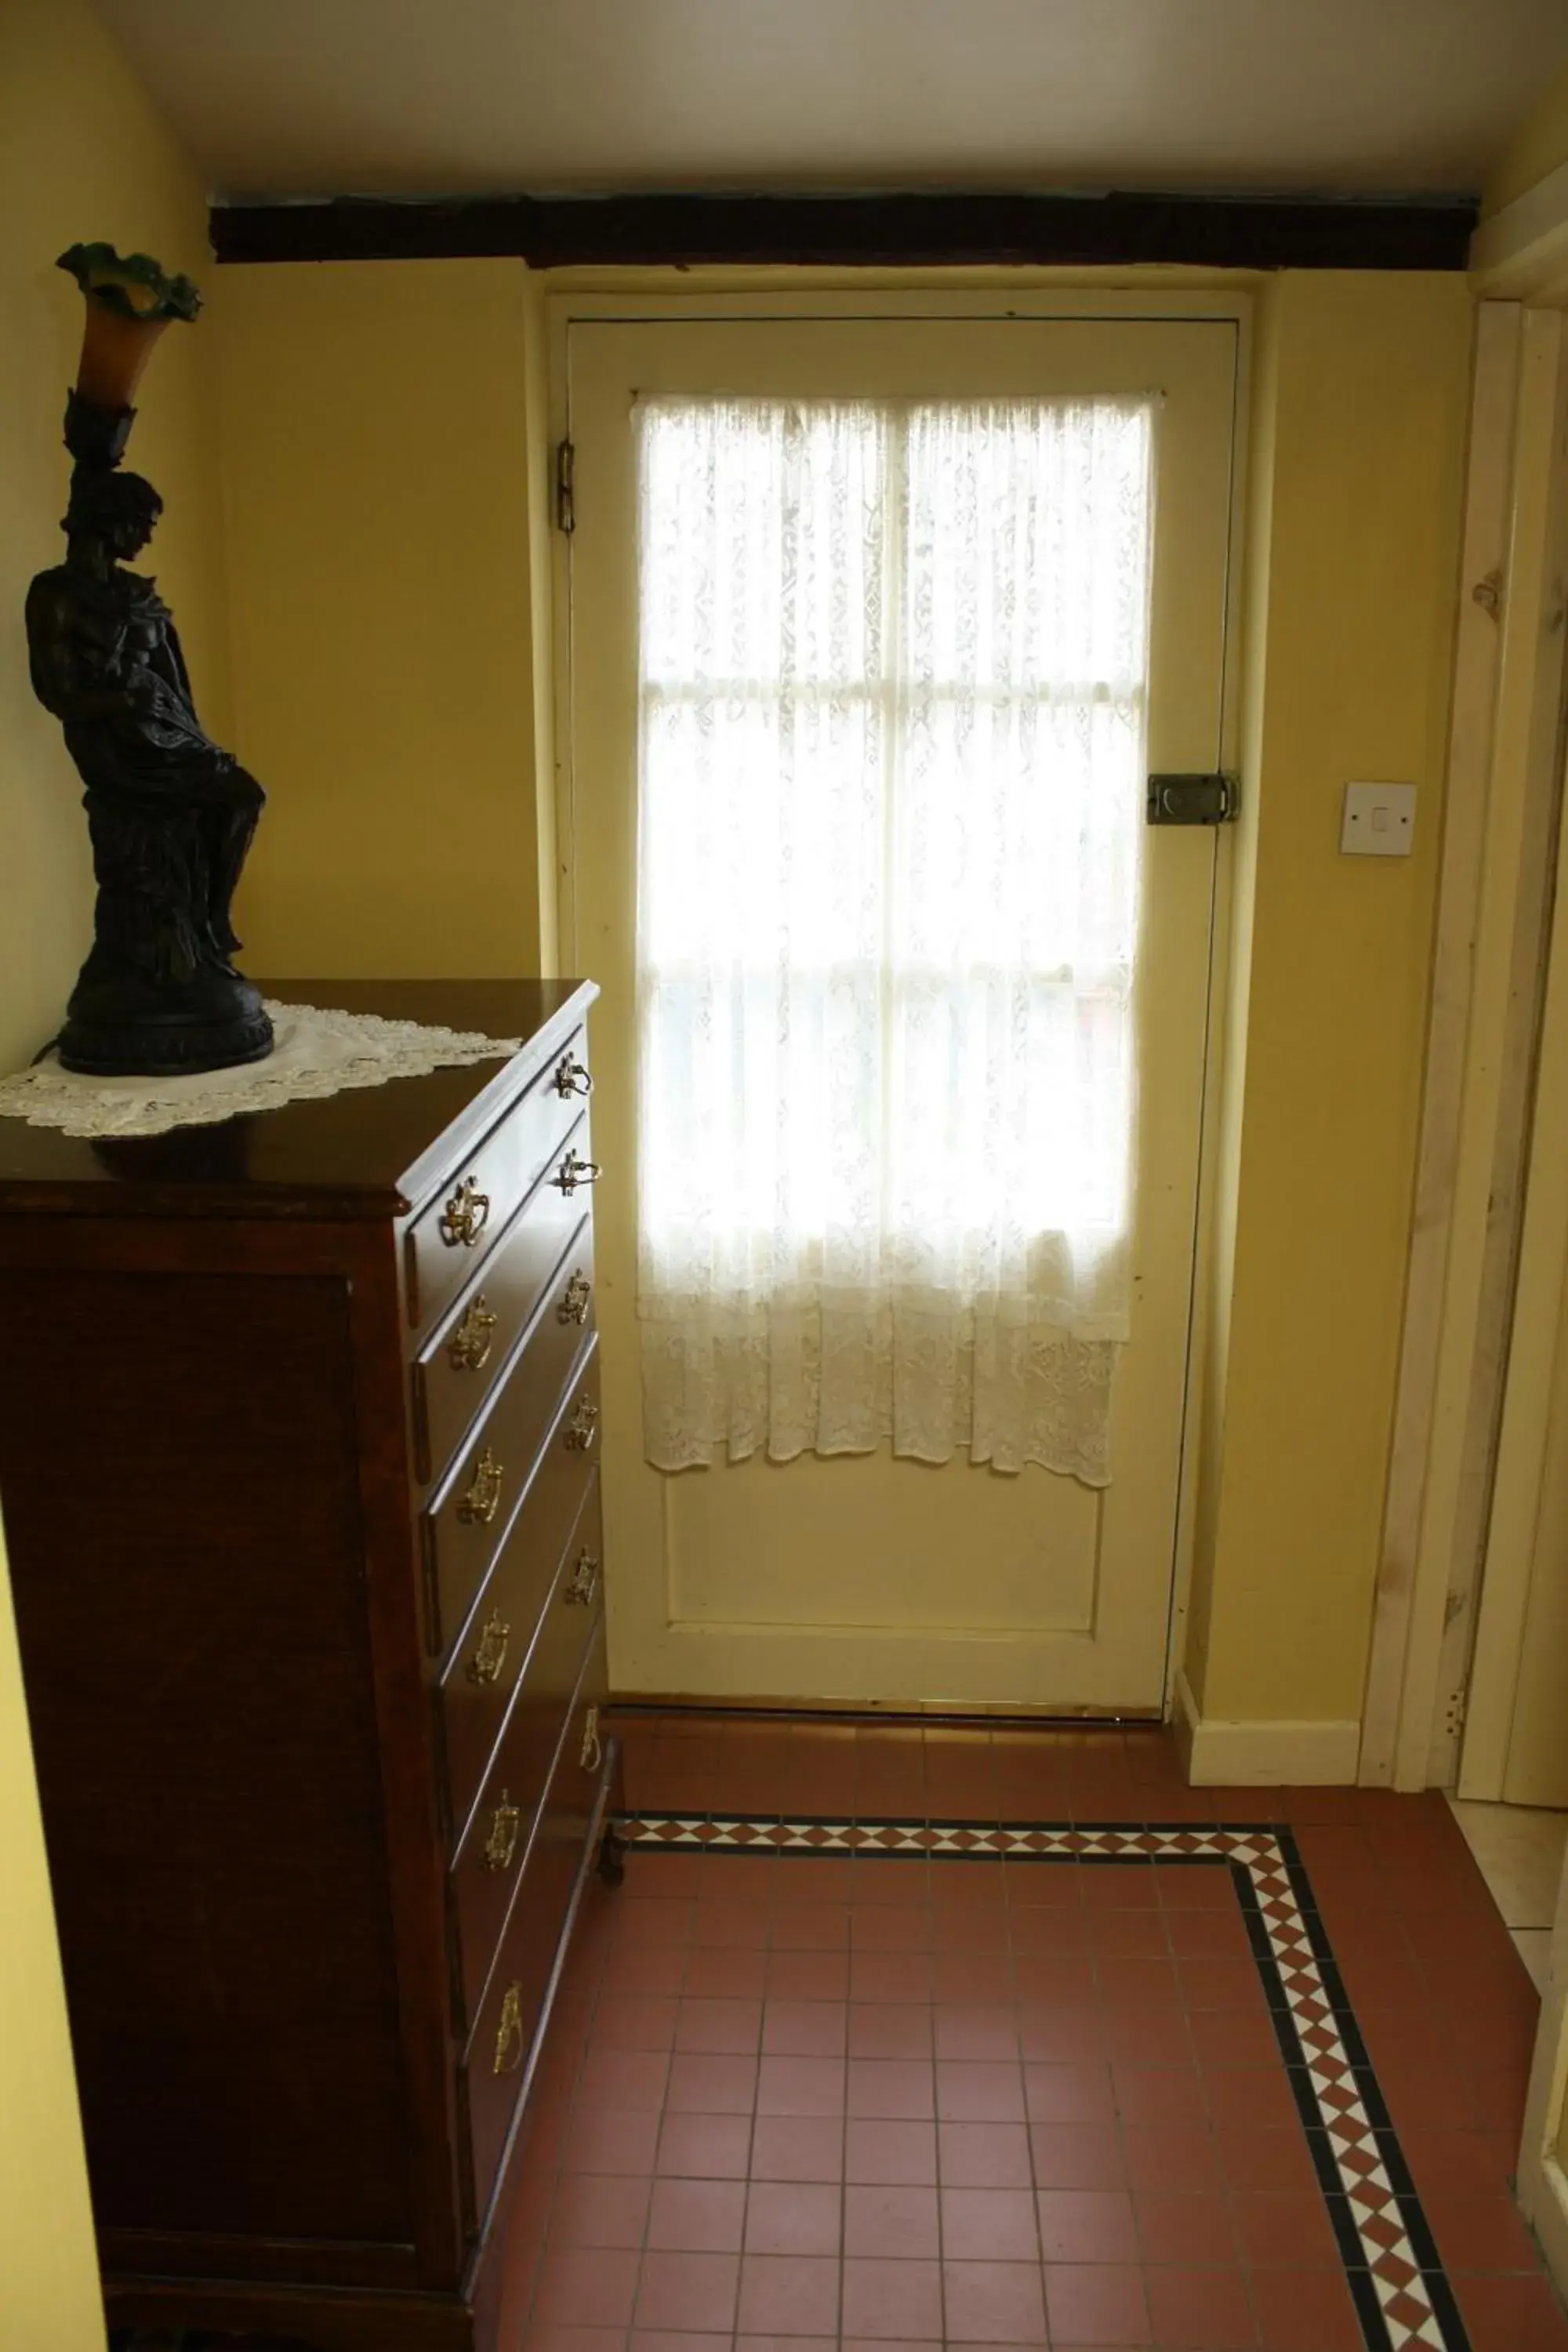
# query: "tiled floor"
[795,2099]
[1518,1851]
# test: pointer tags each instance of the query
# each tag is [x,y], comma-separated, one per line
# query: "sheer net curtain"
[894,662]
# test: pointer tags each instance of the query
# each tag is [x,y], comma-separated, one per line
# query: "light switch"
[1379,820]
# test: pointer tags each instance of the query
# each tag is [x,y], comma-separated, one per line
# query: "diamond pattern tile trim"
[1402,2294]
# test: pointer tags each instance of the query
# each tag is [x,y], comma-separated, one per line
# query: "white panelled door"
[874,1576]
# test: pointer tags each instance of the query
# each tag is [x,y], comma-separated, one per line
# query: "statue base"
[126,1029]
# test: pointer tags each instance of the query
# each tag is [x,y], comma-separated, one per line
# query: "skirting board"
[1217,1754]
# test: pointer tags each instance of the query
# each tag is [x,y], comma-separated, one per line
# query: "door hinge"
[1454,1711]
[1193,800]
[565,501]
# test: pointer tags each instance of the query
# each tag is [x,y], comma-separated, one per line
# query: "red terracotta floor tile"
[1056,2093]
[1077,2155]
[687,2290]
[697,2217]
[979,2090]
[983,2155]
[1305,2311]
[726,1973]
[890,2029]
[1284,2229]
[804,2029]
[989,2225]
[717,2026]
[586,2287]
[1024,2093]
[797,2148]
[793,2217]
[1208,2309]
[994,2301]
[705,2147]
[1097,2302]
[892,2302]
[1510,2313]
[789,2294]
[711,2085]
[800,2086]
[1086,2225]
[1177,2226]
[607,2140]
[886,2223]
[593,2209]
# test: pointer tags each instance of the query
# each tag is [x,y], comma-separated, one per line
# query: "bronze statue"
[171,815]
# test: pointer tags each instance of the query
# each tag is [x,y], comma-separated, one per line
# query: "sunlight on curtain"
[893,665]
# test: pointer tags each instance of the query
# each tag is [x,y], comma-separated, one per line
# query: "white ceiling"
[419,97]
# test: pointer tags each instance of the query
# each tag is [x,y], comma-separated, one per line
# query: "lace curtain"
[893,674]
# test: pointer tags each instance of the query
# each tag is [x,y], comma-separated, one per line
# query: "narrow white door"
[870,1577]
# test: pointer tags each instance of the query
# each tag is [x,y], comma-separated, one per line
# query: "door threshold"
[927,1717]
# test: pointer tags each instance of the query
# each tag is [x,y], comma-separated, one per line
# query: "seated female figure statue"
[171,815]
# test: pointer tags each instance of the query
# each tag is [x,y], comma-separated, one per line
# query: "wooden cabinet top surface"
[369,1151]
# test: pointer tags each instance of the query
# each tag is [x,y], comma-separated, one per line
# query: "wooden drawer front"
[493,1648]
[494,1853]
[467,1524]
[448,1239]
[496,2062]
[469,1354]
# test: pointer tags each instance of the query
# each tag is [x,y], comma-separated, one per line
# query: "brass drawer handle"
[465,1215]
[584,1580]
[581,1428]
[574,1307]
[574,1172]
[487,1660]
[482,1501]
[468,1348]
[502,1844]
[510,2029]
[592,1749]
[571,1078]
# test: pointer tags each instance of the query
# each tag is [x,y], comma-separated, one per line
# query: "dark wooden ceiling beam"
[872,231]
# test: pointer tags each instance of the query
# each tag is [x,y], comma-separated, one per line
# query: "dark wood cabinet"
[298,1424]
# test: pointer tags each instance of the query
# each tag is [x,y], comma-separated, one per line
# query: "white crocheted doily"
[317,1052]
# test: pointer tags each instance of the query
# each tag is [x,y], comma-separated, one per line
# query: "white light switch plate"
[1379,820]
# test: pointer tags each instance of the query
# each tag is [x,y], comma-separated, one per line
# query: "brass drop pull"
[478,1507]
[508,2032]
[502,1844]
[468,1348]
[584,1580]
[487,1660]
[574,1307]
[580,1429]
[574,1172]
[571,1078]
[593,1748]
[465,1216]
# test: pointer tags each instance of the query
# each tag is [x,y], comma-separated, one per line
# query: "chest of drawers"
[299,1424]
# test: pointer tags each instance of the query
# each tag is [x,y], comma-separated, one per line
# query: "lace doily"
[317,1052]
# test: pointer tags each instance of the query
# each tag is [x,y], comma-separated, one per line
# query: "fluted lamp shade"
[130,301]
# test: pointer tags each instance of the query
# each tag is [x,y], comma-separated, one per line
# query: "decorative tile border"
[1402,2294]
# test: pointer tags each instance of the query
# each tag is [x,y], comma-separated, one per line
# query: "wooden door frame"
[1466,1445]
[1162,297]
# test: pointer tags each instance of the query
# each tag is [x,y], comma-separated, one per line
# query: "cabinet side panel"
[178,1476]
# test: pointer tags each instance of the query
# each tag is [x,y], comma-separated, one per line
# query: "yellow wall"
[1363,396]
[82,155]
[1538,147]
[48,2276]
[387,552]
[381,545]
